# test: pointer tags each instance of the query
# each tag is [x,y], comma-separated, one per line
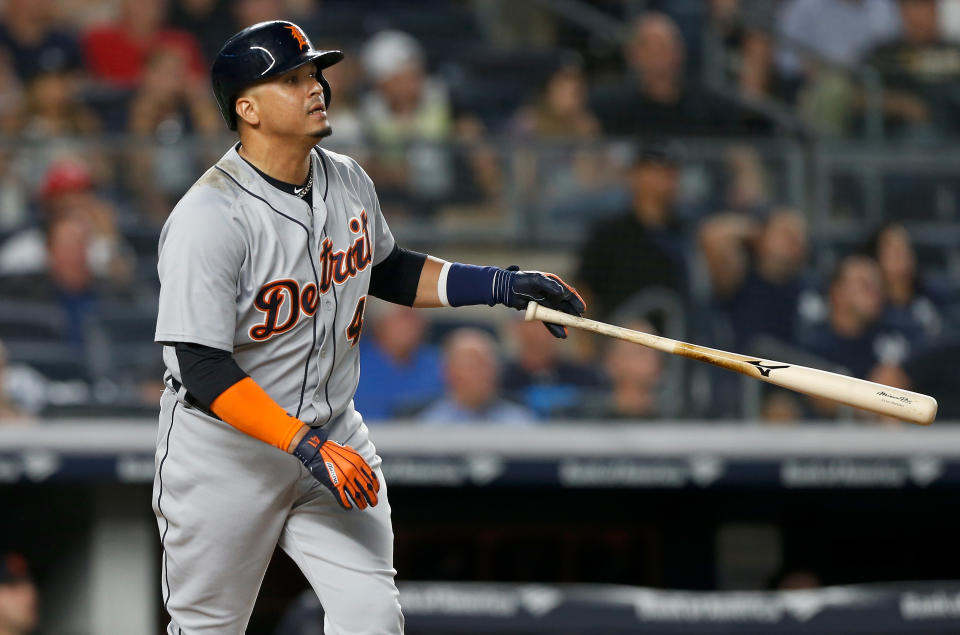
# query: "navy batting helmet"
[261,51]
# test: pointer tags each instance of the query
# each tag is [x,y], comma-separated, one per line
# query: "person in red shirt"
[116,52]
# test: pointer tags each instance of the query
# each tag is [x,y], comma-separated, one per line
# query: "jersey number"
[356,324]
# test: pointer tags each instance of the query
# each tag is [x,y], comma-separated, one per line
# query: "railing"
[506,191]
[499,192]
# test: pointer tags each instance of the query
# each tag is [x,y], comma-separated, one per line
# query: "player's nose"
[316,88]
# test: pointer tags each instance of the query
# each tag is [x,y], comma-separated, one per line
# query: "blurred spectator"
[116,53]
[838,31]
[68,190]
[931,372]
[757,272]
[34,41]
[401,373]
[635,374]
[53,106]
[249,12]
[168,106]
[345,79]
[204,20]
[169,103]
[302,9]
[69,274]
[949,18]
[541,378]
[9,411]
[406,106]
[921,71]
[743,29]
[780,407]
[746,187]
[516,25]
[18,596]
[853,335]
[472,378]
[11,95]
[561,174]
[408,118]
[913,306]
[822,43]
[643,247]
[14,195]
[655,94]
[560,110]
[68,280]
[211,22]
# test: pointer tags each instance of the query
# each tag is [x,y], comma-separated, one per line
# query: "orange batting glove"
[339,468]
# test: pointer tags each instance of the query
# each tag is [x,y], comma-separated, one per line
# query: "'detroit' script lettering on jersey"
[336,267]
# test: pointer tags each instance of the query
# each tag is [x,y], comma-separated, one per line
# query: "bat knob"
[531,313]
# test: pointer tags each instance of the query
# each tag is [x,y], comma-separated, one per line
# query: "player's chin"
[319,132]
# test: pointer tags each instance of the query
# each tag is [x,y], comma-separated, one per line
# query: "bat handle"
[531,313]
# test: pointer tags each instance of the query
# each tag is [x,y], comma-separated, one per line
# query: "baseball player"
[265,266]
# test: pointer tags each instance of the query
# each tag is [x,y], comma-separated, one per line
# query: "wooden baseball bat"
[859,393]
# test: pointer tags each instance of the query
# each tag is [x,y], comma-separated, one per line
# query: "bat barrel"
[859,393]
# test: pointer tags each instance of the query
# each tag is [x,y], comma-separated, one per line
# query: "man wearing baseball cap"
[18,596]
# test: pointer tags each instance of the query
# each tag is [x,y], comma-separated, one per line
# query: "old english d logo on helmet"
[262,51]
[298,35]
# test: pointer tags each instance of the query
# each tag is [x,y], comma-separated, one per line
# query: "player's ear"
[247,110]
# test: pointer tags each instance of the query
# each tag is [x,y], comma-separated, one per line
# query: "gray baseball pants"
[224,500]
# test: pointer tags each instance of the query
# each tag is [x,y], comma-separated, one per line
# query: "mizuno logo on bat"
[883,393]
[765,370]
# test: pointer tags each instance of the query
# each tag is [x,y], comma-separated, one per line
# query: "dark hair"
[840,268]
[659,151]
[871,247]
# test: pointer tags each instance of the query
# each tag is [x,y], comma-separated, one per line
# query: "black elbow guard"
[396,278]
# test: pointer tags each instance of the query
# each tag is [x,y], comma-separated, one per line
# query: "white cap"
[389,52]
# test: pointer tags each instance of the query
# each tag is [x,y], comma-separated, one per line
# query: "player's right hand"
[547,289]
[339,468]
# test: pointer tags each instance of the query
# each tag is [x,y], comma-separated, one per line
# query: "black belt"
[190,400]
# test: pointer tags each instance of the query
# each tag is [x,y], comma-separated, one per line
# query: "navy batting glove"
[518,288]
[339,468]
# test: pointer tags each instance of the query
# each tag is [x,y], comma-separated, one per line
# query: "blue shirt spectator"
[913,306]
[635,376]
[853,335]
[390,387]
[540,378]
[27,32]
[839,31]
[448,411]
[756,272]
[472,379]
[400,372]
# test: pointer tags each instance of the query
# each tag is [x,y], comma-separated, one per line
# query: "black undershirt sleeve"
[206,372]
[396,278]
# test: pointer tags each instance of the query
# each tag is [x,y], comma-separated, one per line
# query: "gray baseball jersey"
[247,268]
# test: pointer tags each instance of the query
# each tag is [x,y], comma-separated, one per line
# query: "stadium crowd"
[475,115]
